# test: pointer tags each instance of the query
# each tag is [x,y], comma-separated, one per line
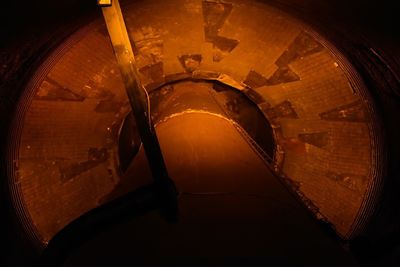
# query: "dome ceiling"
[324,134]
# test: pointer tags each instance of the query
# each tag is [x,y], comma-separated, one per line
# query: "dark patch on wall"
[96,156]
[350,181]
[148,46]
[255,80]
[304,45]
[154,71]
[320,139]
[190,62]
[96,91]
[225,44]
[215,15]
[109,105]
[282,110]
[283,75]
[51,90]
[353,112]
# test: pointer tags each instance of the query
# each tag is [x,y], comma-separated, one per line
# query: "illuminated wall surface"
[323,141]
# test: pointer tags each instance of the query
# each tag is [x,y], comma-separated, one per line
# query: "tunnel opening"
[200,96]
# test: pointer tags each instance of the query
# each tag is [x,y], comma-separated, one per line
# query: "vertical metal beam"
[139,101]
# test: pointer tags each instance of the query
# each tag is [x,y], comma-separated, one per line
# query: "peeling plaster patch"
[304,45]
[350,181]
[94,91]
[282,110]
[283,75]
[110,105]
[96,156]
[255,79]
[155,71]
[190,62]
[225,44]
[215,15]
[53,91]
[353,112]
[320,139]
[148,46]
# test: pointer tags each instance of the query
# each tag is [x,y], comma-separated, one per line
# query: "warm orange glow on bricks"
[323,131]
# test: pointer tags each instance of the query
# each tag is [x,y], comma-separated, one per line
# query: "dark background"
[376,19]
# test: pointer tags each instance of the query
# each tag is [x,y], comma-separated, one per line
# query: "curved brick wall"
[327,140]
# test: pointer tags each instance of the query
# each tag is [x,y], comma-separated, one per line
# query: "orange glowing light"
[104,2]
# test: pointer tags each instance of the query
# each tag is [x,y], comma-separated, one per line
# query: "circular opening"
[215,98]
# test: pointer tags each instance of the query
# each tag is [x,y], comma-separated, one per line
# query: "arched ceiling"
[327,140]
